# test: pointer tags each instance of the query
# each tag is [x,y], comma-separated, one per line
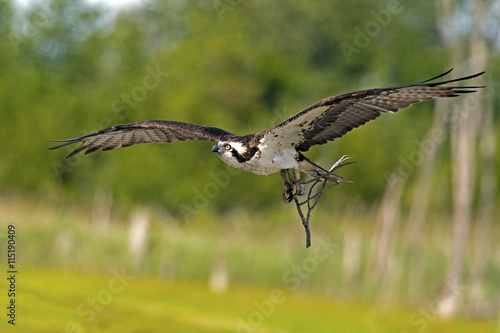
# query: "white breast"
[269,161]
[270,158]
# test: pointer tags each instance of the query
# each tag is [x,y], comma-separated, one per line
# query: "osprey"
[279,148]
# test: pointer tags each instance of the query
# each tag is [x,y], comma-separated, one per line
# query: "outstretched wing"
[150,131]
[334,116]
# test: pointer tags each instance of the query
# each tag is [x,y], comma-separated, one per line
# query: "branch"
[314,197]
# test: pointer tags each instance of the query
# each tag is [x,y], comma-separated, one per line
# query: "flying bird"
[280,148]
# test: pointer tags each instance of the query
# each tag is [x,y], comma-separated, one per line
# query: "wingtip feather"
[449,81]
[437,77]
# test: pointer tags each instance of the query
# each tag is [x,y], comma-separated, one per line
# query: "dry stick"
[315,196]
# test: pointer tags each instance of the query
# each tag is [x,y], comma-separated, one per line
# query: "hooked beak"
[215,149]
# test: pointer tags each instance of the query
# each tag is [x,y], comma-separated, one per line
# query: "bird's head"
[230,152]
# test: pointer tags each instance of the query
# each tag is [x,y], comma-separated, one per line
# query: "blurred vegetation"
[69,68]
[66,259]
[152,305]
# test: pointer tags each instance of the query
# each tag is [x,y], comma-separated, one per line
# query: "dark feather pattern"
[334,116]
[150,131]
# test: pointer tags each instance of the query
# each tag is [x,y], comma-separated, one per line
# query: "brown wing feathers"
[352,110]
[151,131]
[323,121]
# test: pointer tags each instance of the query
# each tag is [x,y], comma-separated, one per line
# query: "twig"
[313,198]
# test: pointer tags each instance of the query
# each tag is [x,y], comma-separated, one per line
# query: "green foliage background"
[244,67]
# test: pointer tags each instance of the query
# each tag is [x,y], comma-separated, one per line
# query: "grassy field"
[57,301]
[74,275]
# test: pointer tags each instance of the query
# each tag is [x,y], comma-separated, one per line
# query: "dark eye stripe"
[237,156]
[246,156]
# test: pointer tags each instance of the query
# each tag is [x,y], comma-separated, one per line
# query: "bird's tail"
[317,172]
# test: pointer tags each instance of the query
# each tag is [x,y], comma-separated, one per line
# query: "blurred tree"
[471,45]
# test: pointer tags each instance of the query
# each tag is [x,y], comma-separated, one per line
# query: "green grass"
[48,301]
[64,260]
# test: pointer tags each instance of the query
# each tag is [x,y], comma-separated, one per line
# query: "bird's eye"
[228,146]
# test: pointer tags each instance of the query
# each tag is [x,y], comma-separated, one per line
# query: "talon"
[298,189]
[287,193]
[287,197]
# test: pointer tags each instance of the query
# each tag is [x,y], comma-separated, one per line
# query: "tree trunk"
[479,61]
[463,138]
[460,217]
[419,211]
[464,121]
[384,266]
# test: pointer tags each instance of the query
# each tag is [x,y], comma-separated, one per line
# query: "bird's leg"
[292,187]
[297,186]
[287,188]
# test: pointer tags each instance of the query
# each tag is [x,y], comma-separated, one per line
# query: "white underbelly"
[270,162]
